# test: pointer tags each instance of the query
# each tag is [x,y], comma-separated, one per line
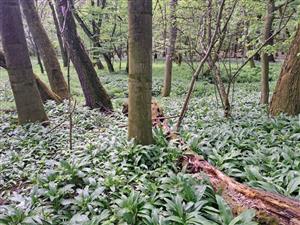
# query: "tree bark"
[38,56]
[45,92]
[94,93]
[170,50]
[286,97]
[48,55]
[58,34]
[264,98]
[140,71]
[28,100]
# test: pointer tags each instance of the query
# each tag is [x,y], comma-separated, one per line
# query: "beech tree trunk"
[94,93]
[140,71]
[48,55]
[264,97]
[170,50]
[28,100]
[58,34]
[286,97]
[45,92]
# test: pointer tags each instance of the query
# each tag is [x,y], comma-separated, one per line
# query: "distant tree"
[28,100]
[58,34]
[94,37]
[48,55]
[94,93]
[140,71]
[265,59]
[170,50]
[286,97]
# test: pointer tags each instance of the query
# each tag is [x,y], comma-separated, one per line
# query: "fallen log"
[271,208]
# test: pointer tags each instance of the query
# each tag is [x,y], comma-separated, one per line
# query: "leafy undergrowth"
[103,180]
[107,180]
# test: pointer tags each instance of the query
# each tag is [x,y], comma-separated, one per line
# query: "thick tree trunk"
[140,71]
[170,50]
[264,97]
[45,92]
[28,100]
[52,66]
[286,98]
[58,34]
[94,93]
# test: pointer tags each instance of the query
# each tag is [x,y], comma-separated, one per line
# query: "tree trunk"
[252,63]
[264,97]
[94,39]
[109,64]
[45,92]
[28,100]
[52,66]
[140,71]
[286,98]
[58,34]
[94,93]
[170,50]
[37,51]
[96,32]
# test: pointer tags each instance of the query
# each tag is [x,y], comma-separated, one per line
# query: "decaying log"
[271,208]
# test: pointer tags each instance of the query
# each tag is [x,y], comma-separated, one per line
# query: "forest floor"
[107,180]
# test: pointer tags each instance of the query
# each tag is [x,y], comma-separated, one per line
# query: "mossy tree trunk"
[170,50]
[94,93]
[140,71]
[48,55]
[286,98]
[28,100]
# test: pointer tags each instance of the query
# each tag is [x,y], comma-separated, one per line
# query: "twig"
[199,69]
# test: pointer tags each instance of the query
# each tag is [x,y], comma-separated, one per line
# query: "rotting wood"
[271,208]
